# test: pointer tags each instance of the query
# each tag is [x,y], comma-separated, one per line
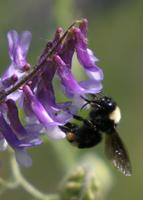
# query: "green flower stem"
[8,184]
[21,181]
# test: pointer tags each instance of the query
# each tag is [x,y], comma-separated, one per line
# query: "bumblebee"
[104,117]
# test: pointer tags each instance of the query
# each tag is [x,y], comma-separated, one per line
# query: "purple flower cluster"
[36,97]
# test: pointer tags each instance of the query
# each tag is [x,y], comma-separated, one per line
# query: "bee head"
[107,104]
[111,108]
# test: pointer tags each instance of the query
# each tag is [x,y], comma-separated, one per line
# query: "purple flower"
[45,94]
[36,96]
[77,40]
[14,133]
[11,138]
[42,115]
[18,49]
[71,85]
[86,56]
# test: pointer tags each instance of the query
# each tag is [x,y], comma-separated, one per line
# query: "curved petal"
[18,49]
[71,86]
[67,50]
[14,119]
[45,94]
[96,74]
[18,46]
[13,39]
[10,137]
[15,95]
[45,90]
[91,86]
[78,103]
[67,79]
[22,48]
[86,56]
[38,109]
[23,158]
[24,42]
[9,72]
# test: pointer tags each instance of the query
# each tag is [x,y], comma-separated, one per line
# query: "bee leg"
[85,121]
[79,118]
[68,127]
[70,130]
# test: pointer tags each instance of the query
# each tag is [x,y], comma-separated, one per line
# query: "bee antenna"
[85,99]
[84,105]
[87,102]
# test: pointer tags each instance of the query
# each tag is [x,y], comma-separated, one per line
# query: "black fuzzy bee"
[104,117]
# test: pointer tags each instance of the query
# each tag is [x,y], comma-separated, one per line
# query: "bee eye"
[110,104]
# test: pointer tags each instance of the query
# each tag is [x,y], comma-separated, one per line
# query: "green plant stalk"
[26,185]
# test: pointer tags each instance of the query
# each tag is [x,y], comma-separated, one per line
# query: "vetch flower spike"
[31,88]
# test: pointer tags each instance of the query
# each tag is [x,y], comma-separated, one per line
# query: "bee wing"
[116,152]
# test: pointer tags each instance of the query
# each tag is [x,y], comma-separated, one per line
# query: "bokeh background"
[116,37]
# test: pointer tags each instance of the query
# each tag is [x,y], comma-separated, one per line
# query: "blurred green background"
[116,37]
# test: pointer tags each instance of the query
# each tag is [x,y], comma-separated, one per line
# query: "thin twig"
[28,186]
[8,184]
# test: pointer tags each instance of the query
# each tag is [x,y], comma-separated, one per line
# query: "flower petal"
[45,94]
[84,27]
[38,109]
[24,43]
[9,72]
[13,39]
[67,79]
[9,135]
[91,86]
[15,95]
[23,158]
[45,90]
[56,133]
[71,86]
[77,103]
[86,56]
[67,51]
[14,119]
[23,133]
[96,75]
[3,144]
